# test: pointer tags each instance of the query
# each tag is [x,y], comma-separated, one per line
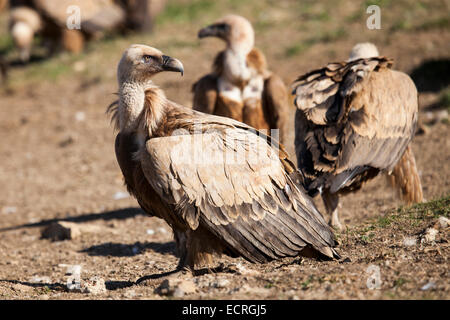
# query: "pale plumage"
[178,163]
[355,119]
[24,23]
[66,23]
[240,86]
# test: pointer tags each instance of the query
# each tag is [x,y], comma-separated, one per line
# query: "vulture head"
[363,50]
[140,62]
[235,30]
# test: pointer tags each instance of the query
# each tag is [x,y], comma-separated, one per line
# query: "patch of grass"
[385,221]
[6,44]
[438,23]
[333,35]
[399,282]
[298,48]
[417,212]
[411,216]
[367,238]
[306,284]
[50,69]
[355,16]
[428,210]
[179,12]
[302,46]
[322,16]
[444,99]
[380,3]
[263,24]
[401,25]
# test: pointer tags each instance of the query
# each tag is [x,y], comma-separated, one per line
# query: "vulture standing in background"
[355,119]
[240,86]
[24,23]
[97,17]
[221,201]
[49,19]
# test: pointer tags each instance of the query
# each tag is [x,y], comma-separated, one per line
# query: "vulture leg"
[196,249]
[331,201]
[180,241]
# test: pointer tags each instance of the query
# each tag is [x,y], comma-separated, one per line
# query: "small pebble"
[80,116]
[409,241]
[428,286]
[9,210]
[94,285]
[162,230]
[429,235]
[121,195]
[443,222]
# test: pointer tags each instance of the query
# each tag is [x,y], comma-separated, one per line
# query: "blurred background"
[57,144]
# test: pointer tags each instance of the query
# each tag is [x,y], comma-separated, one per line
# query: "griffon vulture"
[354,120]
[240,86]
[198,172]
[56,22]
[24,23]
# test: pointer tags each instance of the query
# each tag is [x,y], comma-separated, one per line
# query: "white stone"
[121,195]
[443,222]
[94,285]
[410,241]
[9,210]
[80,116]
[428,286]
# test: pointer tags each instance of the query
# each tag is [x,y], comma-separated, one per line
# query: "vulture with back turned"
[355,119]
[221,186]
[240,86]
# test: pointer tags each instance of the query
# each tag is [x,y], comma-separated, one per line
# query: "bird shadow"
[432,75]
[196,273]
[110,285]
[34,59]
[129,250]
[52,286]
[119,214]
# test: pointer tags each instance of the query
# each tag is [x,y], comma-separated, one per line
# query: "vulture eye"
[146,58]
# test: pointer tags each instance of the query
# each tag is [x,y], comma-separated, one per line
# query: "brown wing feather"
[254,207]
[137,184]
[353,120]
[205,94]
[276,104]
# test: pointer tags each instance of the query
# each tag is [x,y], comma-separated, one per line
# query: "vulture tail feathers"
[405,178]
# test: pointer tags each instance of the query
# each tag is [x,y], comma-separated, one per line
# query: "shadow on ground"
[129,250]
[108,215]
[51,286]
[432,75]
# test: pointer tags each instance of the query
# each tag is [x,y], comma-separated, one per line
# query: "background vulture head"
[235,30]
[363,51]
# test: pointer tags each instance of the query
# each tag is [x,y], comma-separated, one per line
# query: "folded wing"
[233,184]
[353,119]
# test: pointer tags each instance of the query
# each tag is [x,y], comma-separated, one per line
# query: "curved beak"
[219,30]
[209,31]
[172,64]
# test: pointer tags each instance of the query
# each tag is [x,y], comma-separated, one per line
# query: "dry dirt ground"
[57,163]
